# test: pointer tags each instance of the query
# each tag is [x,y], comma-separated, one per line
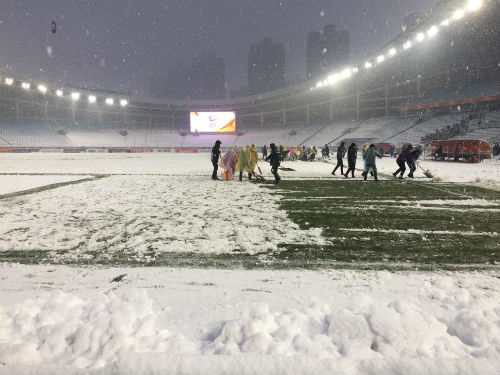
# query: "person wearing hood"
[369,157]
[340,157]
[243,164]
[274,158]
[264,152]
[403,157]
[254,159]
[412,160]
[215,159]
[352,154]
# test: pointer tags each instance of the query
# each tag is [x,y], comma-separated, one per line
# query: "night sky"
[119,44]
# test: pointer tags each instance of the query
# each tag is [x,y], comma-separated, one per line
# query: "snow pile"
[108,331]
[368,330]
[62,329]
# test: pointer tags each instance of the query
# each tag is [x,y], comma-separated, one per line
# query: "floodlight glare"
[474,5]
[333,78]
[458,14]
[392,51]
[445,23]
[75,95]
[92,99]
[124,102]
[407,45]
[355,70]
[319,84]
[25,85]
[9,81]
[420,37]
[59,92]
[42,89]
[346,73]
[380,59]
[110,101]
[432,31]
[368,65]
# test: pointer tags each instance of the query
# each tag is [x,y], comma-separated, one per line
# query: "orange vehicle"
[468,150]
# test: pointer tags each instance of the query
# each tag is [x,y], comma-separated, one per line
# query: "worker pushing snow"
[369,157]
[244,163]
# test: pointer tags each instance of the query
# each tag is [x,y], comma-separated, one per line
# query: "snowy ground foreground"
[486,173]
[59,319]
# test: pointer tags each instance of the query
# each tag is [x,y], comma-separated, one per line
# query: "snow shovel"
[427,173]
[286,169]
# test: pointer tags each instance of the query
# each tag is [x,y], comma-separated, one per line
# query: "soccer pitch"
[181,221]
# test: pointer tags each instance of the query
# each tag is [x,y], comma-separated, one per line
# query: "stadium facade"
[449,63]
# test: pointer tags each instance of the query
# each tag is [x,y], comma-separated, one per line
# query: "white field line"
[420,231]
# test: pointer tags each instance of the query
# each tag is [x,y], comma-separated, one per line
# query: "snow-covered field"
[62,319]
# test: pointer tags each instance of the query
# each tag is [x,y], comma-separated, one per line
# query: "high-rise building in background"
[208,78]
[204,78]
[326,50]
[266,66]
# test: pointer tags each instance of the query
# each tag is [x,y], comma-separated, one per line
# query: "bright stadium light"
[92,99]
[420,37]
[432,31]
[446,22]
[380,59]
[25,85]
[333,78]
[368,65]
[124,102]
[110,101]
[473,5]
[346,73]
[407,45]
[9,81]
[75,95]
[458,14]
[42,89]
[59,92]
[392,52]
[355,70]
[319,84]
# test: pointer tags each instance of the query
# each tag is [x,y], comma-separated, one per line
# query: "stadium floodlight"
[380,59]
[319,84]
[333,78]
[110,101]
[407,45]
[473,5]
[42,89]
[26,85]
[9,81]
[432,31]
[346,73]
[59,92]
[446,22]
[458,14]
[92,99]
[368,65]
[392,52]
[355,70]
[123,102]
[420,37]
[75,95]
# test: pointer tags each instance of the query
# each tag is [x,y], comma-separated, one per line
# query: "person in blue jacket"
[412,160]
[369,157]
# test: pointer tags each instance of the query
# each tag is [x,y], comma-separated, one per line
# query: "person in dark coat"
[274,158]
[352,154]
[340,157]
[402,159]
[264,152]
[215,159]
[326,152]
[412,160]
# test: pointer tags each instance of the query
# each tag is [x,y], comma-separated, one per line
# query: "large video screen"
[212,122]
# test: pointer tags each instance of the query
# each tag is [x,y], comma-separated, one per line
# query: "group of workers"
[245,160]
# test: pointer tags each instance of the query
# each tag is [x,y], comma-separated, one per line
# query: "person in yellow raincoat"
[243,164]
[254,158]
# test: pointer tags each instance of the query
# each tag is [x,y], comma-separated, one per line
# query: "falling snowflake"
[322,13]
